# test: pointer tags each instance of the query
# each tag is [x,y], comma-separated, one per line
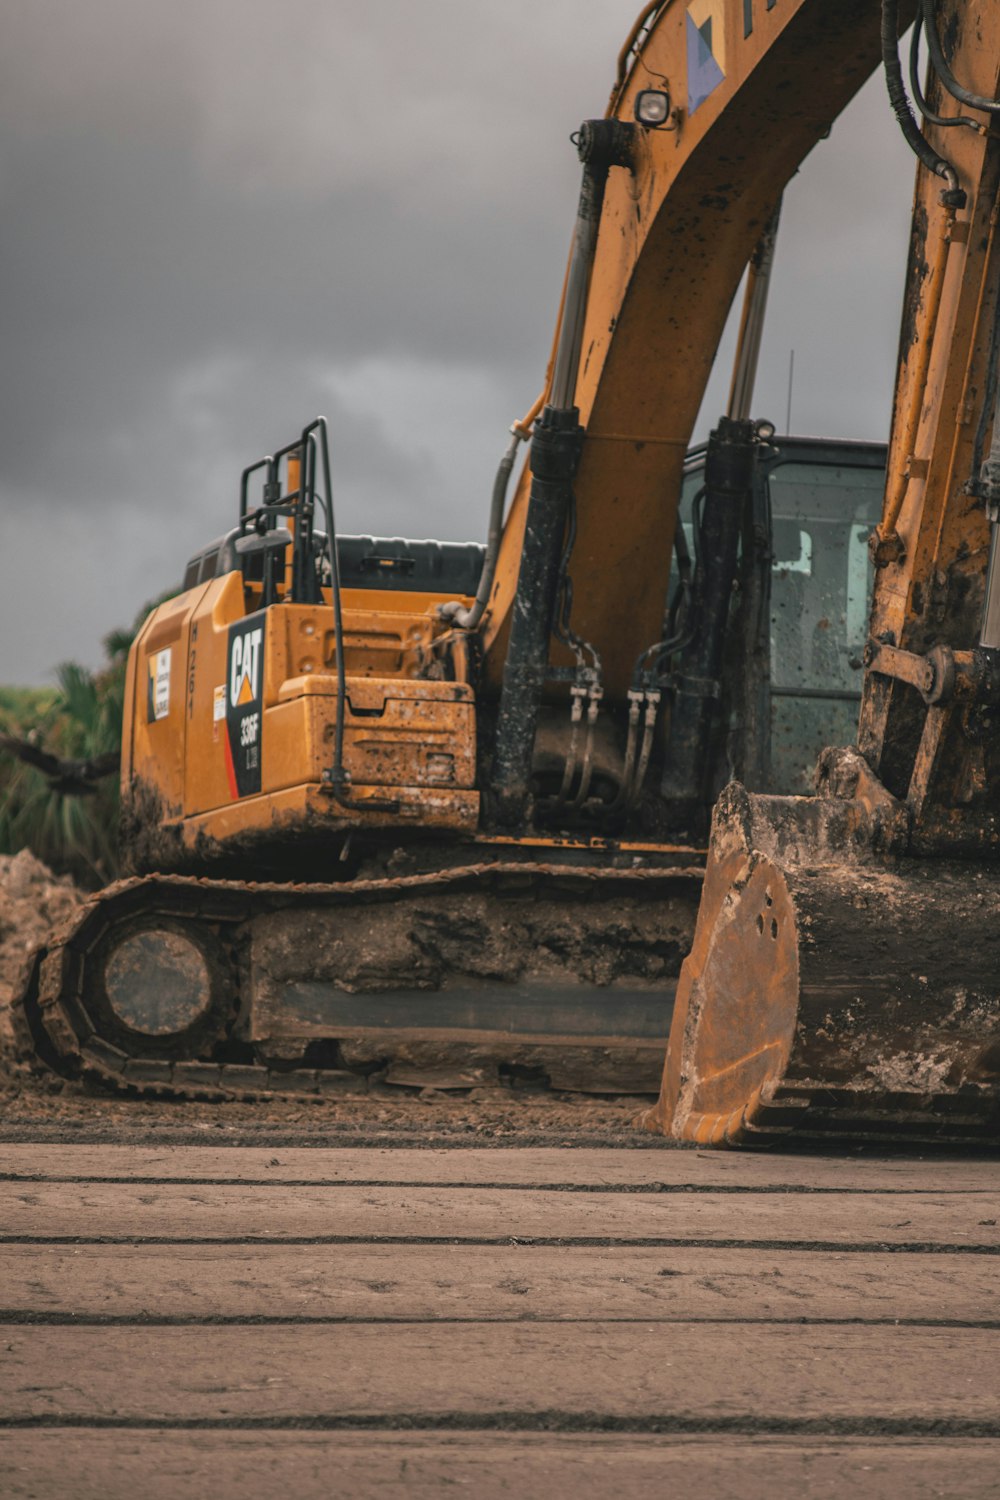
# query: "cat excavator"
[416,814]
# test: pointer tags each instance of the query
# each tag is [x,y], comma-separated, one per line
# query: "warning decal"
[218,711]
[706,49]
[243,705]
[158,685]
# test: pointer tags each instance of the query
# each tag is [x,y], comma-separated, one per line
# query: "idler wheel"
[159,987]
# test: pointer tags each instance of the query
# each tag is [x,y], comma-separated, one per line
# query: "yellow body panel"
[154,742]
[309,809]
[408,736]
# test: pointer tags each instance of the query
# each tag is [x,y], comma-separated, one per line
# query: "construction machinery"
[429,814]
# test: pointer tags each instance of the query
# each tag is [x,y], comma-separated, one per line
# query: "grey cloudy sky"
[222,217]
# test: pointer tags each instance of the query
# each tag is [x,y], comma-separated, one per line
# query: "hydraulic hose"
[947,77]
[638,780]
[917,90]
[953,194]
[454,612]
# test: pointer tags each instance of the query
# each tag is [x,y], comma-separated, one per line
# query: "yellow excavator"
[435,814]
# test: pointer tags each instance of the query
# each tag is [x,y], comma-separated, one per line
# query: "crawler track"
[59,1022]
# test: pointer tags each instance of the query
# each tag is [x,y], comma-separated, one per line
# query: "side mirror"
[256,542]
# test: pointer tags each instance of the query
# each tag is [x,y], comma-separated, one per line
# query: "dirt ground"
[248,1322]
[38,1108]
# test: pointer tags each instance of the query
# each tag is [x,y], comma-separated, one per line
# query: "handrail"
[622,69]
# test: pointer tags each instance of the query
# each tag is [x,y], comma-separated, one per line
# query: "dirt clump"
[33,901]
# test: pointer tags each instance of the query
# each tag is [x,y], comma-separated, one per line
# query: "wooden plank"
[50,1210]
[47,1465]
[486,1282]
[503,1373]
[523,1167]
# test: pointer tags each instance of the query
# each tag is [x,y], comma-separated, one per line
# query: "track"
[638,920]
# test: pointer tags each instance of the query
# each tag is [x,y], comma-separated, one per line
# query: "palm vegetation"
[80,719]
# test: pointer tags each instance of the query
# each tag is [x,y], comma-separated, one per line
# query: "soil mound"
[32,902]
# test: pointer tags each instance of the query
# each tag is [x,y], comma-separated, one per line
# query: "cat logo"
[244,667]
[244,706]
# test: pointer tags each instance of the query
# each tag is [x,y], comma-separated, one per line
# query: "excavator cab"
[800,609]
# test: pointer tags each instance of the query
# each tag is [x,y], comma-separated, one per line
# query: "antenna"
[791,378]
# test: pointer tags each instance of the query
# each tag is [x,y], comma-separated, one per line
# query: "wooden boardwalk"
[360,1322]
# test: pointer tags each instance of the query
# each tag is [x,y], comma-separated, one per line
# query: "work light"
[652,107]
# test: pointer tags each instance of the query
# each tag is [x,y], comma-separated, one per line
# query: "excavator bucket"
[827,991]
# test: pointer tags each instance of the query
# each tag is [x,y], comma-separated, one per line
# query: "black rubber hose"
[917,90]
[987,407]
[454,612]
[901,106]
[947,77]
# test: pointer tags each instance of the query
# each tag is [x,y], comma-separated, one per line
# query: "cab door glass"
[821,577]
[821,584]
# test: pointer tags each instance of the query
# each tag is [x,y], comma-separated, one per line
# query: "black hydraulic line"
[634,791]
[917,90]
[673,640]
[631,745]
[988,489]
[974,487]
[645,690]
[953,195]
[940,65]
[697,690]
[682,594]
[587,766]
[569,766]
[454,612]
[561,628]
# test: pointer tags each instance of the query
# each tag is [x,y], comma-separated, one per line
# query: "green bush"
[78,719]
